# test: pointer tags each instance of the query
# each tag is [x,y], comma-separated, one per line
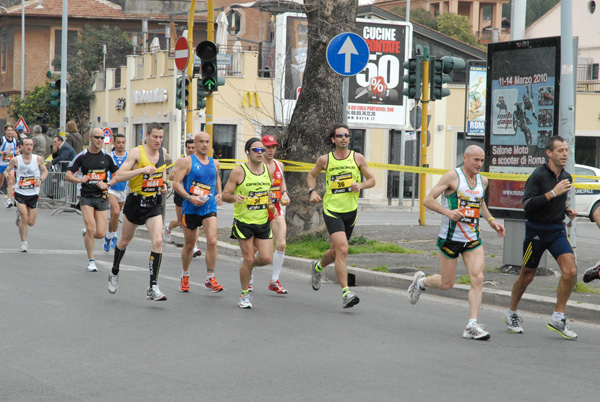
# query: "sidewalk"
[539,298]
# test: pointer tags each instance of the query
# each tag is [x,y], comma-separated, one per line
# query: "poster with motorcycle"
[523,86]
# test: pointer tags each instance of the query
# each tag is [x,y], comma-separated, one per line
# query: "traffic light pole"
[189,118]
[210,35]
[424,130]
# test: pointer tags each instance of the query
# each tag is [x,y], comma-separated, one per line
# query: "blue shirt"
[118,161]
[202,179]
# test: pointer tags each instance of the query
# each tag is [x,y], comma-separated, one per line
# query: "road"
[65,338]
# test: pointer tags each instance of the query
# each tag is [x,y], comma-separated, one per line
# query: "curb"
[365,277]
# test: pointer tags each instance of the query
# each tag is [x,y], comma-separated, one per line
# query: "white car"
[587,200]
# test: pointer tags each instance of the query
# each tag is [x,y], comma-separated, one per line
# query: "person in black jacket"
[545,204]
[62,152]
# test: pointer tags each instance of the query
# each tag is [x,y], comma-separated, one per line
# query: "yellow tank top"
[341,173]
[256,188]
[148,184]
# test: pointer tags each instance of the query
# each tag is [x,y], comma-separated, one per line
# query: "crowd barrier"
[57,193]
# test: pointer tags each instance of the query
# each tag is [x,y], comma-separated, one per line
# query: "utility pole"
[63,67]
[210,36]
[187,112]
[424,131]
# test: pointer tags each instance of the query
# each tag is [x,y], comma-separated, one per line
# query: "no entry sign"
[182,53]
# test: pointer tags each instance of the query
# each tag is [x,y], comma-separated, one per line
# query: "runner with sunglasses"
[249,187]
[343,168]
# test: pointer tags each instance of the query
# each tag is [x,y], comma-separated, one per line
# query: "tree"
[319,105]
[419,15]
[456,26]
[35,107]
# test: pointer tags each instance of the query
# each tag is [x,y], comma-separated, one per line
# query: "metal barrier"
[58,193]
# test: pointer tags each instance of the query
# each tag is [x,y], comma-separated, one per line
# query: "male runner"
[196,179]
[144,168]
[116,194]
[279,197]
[462,205]
[248,187]
[95,164]
[30,173]
[545,204]
[178,200]
[8,150]
[343,168]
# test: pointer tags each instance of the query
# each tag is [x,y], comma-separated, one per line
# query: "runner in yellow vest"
[343,168]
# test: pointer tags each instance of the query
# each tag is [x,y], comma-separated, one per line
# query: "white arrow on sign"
[348,50]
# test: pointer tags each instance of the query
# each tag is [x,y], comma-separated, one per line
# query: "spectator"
[61,152]
[48,137]
[39,142]
[74,139]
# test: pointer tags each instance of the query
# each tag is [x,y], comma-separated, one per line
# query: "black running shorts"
[193,222]
[452,249]
[98,203]
[30,201]
[340,221]
[139,209]
[245,231]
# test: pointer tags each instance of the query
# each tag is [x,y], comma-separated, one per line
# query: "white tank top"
[26,175]
[468,200]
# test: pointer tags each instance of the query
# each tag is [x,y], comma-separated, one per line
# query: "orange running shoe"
[212,285]
[184,286]
[275,286]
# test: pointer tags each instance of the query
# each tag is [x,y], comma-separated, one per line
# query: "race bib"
[96,176]
[276,193]
[151,183]
[7,157]
[341,183]
[258,200]
[470,209]
[199,189]
[27,183]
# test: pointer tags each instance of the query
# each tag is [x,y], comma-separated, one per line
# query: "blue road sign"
[347,54]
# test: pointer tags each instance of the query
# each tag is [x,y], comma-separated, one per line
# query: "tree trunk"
[320,104]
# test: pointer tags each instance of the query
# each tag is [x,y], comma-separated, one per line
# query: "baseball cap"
[269,140]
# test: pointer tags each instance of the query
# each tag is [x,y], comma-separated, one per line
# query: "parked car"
[587,200]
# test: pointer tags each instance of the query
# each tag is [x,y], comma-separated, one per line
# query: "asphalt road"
[65,338]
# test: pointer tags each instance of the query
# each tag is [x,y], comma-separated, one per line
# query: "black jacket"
[537,208]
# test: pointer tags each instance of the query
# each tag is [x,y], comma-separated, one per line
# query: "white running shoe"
[113,283]
[513,323]
[476,332]
[91,267]
[83,232]
[196,252]
[23,247]
[9,203]
[18,221]
[167,234]
[414,290]
[245,301]
[562,328]
[155,294]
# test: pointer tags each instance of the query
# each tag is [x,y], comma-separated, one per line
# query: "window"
[224,137]
[72,38]
[4,45]
[234,19]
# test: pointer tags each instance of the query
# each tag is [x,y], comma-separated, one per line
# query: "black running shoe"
[591,273]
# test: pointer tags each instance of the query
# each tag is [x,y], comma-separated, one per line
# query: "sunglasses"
[98,137]
[258,150]
[342,135]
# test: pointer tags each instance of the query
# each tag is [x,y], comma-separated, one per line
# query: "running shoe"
[113,242]
[23,247]
[350,299]
[276,287]
[9,203]
[83,232]
[113,283]
[91,267]
[245,301]
[212,285]
[197,252]
[184,283]
[513,323]
[591,273]
[414,290]
[167,234]
[476,332]
[562,328]
[250,287]
[315,279]
[107,244]
[155,294]
[18,221]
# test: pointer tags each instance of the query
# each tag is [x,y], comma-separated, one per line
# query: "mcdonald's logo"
[250,96]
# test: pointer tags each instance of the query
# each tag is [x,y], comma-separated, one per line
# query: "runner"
[248,187]
[95,164]
[196,179]
[117,194]
[30,173]
[343,168]
[8,150]
[462,205]
[144,168]
[178,200]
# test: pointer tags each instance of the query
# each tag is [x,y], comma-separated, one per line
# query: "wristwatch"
[188,197]
[310,190]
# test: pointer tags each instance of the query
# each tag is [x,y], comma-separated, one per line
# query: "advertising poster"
[523,83]
[375,94]
[476,102]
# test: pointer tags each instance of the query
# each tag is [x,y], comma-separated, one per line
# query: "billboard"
[523,80]
[476,102]
[375,94]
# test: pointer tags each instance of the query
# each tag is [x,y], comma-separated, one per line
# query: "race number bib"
[258,200]
[151,183]
[275,194]
[7,157]
[27,183]
[199,189]
[470,209]
[96,176]
[341,183]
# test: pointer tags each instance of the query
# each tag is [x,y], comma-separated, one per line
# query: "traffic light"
[55,93]
[207,51]
[201,94]
[413,78]
[439,70]
[182,94]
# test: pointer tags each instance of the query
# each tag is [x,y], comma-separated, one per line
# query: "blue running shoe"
[106,244]
[113,242]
